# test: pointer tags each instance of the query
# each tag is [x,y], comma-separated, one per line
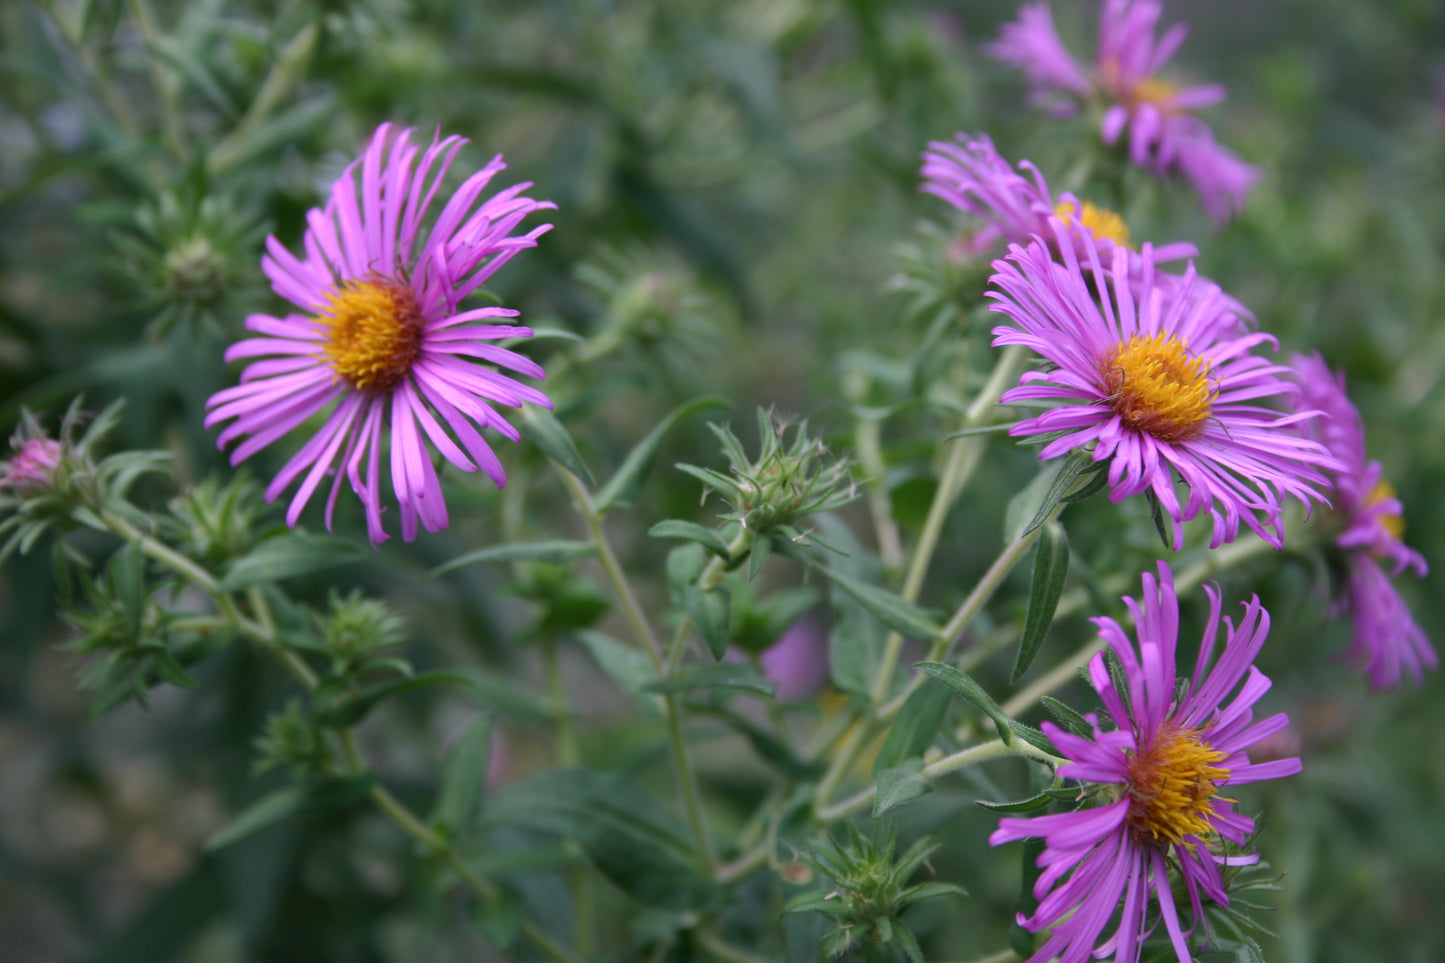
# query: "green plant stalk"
[996,749]
[880,506]
[1067,670]
[686,775]
[284,75]
[162,79]
[943,645]
[263,632]
[963,457]
[568,755]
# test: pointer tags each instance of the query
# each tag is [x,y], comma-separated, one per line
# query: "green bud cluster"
[870,891]
[788,480]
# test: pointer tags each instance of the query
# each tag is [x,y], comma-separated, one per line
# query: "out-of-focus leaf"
[900,785]
[691,531]
[287,556]
[286,802]
[547,433]
[555,551]
[352,710]
[628,837]
[622,487]
[914,728]
[887,607]
[629,668]
[726,675]
[711,611]
[464,780]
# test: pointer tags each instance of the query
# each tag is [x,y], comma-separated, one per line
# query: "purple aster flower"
[969,173]
[1163,135]
[381,344]
[1160,381]
[1158,773]
[1386,639]
[31,470]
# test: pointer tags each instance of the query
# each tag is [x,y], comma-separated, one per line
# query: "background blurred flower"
[1386,639]
[384,343]
[1163,135]
[1161,770]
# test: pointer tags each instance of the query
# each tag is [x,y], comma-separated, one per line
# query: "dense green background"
[758,160]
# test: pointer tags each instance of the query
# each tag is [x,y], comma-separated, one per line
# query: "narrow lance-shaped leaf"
[287,556]
[914,728]
[464,780]
[1069,720]
[891,609]
[711,611]
[622,487]
[970,690]
[899,785]
[555,551]
[1051,565]
[691,531]
[723,675]
[546,432]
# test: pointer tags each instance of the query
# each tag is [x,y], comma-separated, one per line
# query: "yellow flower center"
[1393,522]
[1098,221]
[1156,387]
[1150,90]
[1172,785]
[374,333]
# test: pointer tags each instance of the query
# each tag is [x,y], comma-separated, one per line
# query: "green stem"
[880,506]
[162,79]
[710,574]
[284,75]
[997,749]
[686,776]
[714,946]
[963,457]
[567,752]
[1012,554]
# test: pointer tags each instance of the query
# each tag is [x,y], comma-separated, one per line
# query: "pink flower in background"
[797,664]
[1158,381]
[1163,134]
[381,346]
[1386,641]
[1159,773]
[31,470]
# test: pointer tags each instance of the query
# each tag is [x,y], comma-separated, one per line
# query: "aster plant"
[1158,383]
[1369,522]
[1155,115]
[383,345]
[1157,773]
[753,678]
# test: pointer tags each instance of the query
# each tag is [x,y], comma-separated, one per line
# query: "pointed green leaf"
[622,487]
[352,710]
[907,942]
[711,611]
[555,551]
[1068,475]
[914,728]
[464,780]
[691,531]
[1031,804]
[626,834]
[1069,720]
[287,556]
[758,555]
[728,675]
[170,670]
[1051,565]
[887,607]
[287,801]
[499,920]
[970,690]
[900,785]
[543,429]
[630,669]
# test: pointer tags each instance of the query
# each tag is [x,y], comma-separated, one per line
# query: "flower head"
[31,470]
[1161,768]
[1160,381]
[1163,135]
[1386,639]
[381,344]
